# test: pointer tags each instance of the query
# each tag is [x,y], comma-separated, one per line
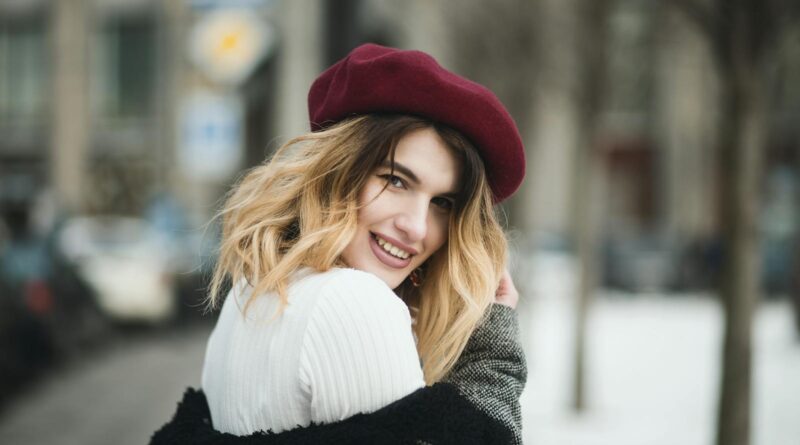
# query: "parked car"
[644,263]
[26,346]
[125,262]
[43,317]
[194,248]
[49,291]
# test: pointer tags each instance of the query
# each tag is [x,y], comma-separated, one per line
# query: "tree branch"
[699,14]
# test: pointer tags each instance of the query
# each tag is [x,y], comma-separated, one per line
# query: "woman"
[390,196]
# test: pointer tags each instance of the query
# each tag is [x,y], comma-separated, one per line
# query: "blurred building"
[107,103]
[86,102]
[111,102]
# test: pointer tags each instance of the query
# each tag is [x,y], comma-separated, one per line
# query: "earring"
[415,277]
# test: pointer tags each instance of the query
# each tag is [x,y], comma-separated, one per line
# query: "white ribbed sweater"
[343,346]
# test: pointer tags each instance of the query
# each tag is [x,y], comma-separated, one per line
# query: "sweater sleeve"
[358,353]
[492,371]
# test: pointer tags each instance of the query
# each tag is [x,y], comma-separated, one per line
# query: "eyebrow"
[398,167]
[402,169]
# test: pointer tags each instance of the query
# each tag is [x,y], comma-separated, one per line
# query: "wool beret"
[374,78]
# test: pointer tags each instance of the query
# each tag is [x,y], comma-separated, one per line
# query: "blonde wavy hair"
[300,209]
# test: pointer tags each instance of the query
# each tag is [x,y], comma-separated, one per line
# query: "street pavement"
[119,395]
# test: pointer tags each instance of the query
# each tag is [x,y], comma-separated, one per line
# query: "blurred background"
[656,236]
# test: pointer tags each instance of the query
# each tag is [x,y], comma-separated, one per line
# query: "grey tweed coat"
[477,403]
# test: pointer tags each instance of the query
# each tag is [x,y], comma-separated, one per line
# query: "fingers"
[506,291]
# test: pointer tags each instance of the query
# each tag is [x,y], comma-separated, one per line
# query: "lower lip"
[385,257]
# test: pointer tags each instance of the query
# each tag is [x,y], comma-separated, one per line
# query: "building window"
[630,38]
[125,68]
[23,67]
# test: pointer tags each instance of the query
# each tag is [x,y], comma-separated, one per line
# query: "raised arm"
[491,371]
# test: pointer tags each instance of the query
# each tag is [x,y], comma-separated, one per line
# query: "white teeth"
[394,250]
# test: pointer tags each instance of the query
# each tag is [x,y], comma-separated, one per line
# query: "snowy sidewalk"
[653,370]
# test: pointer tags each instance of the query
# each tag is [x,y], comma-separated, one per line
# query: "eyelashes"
[442,203]
[393,180]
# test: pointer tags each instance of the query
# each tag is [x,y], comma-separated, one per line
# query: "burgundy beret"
[374,78]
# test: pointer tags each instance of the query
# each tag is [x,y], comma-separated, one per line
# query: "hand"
[506,292]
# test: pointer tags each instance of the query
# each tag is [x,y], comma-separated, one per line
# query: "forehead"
[436,165]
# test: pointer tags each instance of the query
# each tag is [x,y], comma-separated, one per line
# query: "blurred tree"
[592,29]
[742,36]
[794,289]
[70,133]
[342,28]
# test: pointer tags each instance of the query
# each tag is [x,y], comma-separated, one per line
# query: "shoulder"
[358,352]
[359,291]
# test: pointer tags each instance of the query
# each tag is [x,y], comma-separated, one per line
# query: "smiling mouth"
[390,248]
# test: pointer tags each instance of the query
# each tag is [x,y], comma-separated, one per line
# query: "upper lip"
[397,244]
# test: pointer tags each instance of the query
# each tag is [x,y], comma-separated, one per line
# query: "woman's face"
[402,226]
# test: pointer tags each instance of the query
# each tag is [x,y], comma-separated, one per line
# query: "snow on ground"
[653,367]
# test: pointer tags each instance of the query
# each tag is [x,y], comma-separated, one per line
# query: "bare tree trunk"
[586,247]
[587,177]
[742,131]
[739,32]
[794,289]
[794,283]
[740,157]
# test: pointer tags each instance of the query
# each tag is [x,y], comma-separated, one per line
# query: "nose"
[412,220]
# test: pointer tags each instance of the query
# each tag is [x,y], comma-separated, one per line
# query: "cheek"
[369,201]
[438,231]
[370,192]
